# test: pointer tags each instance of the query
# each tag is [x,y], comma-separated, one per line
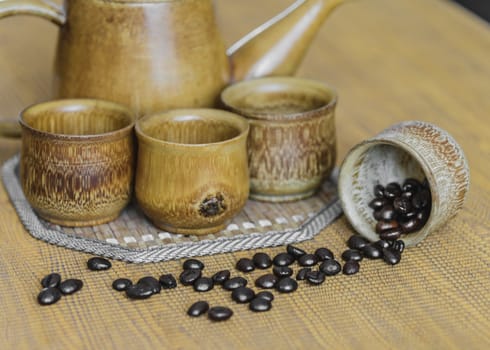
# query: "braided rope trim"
[172,251]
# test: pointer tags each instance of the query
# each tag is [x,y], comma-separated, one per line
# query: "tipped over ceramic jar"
[411,149]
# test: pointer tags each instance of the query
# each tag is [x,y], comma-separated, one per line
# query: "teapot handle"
[40,8]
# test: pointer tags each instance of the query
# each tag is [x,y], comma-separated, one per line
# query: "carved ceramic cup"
[410,149]
[77,160]
[192,172]
[292,143]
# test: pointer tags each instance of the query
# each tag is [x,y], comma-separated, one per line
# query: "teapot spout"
[278,46]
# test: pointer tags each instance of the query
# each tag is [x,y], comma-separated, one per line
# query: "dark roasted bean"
[221,277]
[379,191]
[383,244]
[301,275]
[121,284]
[286,285]
[384,226]
[70,286]
[392,190]
[330,267]
[245,265]
[242,295]
[98,264]
[167,281]
[350,267]
[152,282]
[391,256]
[390,235]
[352,254]
[323,254]
[357,242]
[410,225]
[234,283]
[378,203]
[407,194]
[377,215]
[262,261]
[282,271]
[411,185]
[308,260]
[265,295]
[51,281]
[219,313]
[49,296]
[399,245]
[188,277]
[402,205]
[266,281]
[198,308]
[203,284]
[422,216]
[295,251]
[421,199]
[260,305]
[193,264]
[410,215]
[315,277]
[283,259]
[139,291]
[372,251]
[387,213]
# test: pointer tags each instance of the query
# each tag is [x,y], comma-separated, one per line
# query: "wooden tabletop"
[390,61]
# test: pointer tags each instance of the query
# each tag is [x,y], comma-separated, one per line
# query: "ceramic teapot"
[162,54]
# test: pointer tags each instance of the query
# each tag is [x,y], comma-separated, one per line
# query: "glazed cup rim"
[83,102]
[239,122]
[279,117]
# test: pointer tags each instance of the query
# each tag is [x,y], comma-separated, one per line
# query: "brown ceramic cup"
[192,172]
[77,160]
[292,143]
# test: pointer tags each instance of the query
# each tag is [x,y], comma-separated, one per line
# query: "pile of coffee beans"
[400,209]
[145,287]
[54,288]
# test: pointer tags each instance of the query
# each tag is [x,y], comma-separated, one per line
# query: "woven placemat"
[131,237]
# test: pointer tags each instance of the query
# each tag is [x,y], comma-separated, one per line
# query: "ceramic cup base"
[189,231]
[282,198]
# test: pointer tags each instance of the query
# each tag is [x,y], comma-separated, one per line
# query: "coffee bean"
[377,215]
[70,286]
[286,285]
[262,261]
[167,281]
[98,264]
[412,214]
[139,291]
[234,283]
[392,190]
[49,296]
[302,273]
[188,277]
[387,213]
[283,259]
[411,185]
[151,282]
[219,313]
[352,254]
[407,194]
[330,267]
[203,284]
[421,199]
[282,271]
[402,205]
[193,264]
[121,284]
[399,245]
[323,254]
[384,226]
[379,191]
[51,281]
[378,203]
[221,277]
[198,308]
[242,295]
[390,235]
[357,242]
[391,256]
[266,281]
[245,265]
[422,216]
[308,260]
[295,251]
[351,267]
[410,225]
[265,295]
[260,305]
[315,277]
[372,251]
[382,243]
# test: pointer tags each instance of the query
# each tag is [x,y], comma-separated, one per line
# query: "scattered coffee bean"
[295,251]
[392,190]
[245,265]
[203,284]
[260,305]
[188,277]
[379,191]
[139,291]
[219,313]
[384,226]
[382,243]
[399,245]
[286,285]
[265,295]
[410,225]
[234,283]
[323,254]
[391,256]
[167,281]
[151,282]
[391,235]
[221,277]
[121,284]
[242,295]
[51,281]
[193,264]
[308,260]
[315,277]
[357,242]
[198,308]
[283,259]
[350,267]
[70,286]
[372,251]
[266,281]
[301,275]
[282,271]
[49,296]
[352,254]
[378,203]
[98,264]
[330,267]
[262,261]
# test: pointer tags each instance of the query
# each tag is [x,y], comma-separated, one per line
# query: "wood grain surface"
[390,61]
